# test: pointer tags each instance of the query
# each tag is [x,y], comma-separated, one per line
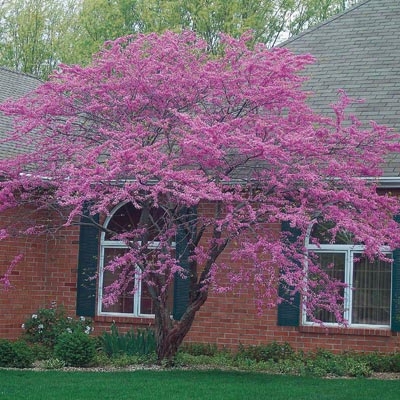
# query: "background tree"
[32,34]
[213,152]
[95,22]
[270,20]
[35,36]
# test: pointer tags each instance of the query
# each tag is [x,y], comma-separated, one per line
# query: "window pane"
[124,219]
[146,302]
[371,294]
[322,232]
[333,264]
[125,302]
[127,218]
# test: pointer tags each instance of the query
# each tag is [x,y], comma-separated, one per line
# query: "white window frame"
[349,251]
[115,244]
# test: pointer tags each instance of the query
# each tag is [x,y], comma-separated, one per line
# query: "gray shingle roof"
[358,51]
[13,85]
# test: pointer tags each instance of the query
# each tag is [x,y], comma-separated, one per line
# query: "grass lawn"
[186,385]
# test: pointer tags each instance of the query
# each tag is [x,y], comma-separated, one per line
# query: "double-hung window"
[367,295]
[135,300]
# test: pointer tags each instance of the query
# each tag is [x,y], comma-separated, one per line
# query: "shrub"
[53,363]
[76,349]
[6,353]
[47,324]
[376,361]
[395,362]
[41,352]
[380,362]
[125,360]
[356,368]
[291,367]
[323,362]
[24,357]
[139,342]
[273,351]
[15,354]
[199,349]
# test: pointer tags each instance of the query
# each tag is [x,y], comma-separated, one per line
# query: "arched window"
[136,300]
[367,297]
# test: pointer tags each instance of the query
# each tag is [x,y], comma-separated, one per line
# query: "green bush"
[199,349]
[41,352]
[395,362]
[379,362]
[15,354]
[7,353]
[356,368]
[281,358]
[323,362]
[125,360]
[76,349]
[47,324]
[189,360]
[24,357]
[139,342]
[52,363]
[291,367]
[273,351]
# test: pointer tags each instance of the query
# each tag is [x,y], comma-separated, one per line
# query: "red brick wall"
[48,273]
[229,320]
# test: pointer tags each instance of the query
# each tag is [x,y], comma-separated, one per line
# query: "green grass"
[186,385]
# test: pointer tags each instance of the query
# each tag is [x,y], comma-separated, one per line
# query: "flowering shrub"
[47,324]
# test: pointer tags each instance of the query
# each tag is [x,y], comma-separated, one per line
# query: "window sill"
[145,321]
[329,330]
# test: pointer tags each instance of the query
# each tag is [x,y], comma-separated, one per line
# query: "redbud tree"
[158,121]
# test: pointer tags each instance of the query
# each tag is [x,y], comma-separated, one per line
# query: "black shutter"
[87,269]
[185,232]
[289,309]
[395,320]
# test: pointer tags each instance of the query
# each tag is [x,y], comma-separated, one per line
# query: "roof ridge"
[323,23]
[13,71]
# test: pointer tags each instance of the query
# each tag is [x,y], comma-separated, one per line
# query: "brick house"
[356,51]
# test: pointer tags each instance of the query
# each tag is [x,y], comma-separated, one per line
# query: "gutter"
[387,182]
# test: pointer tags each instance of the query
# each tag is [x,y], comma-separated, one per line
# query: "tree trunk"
[170,334]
